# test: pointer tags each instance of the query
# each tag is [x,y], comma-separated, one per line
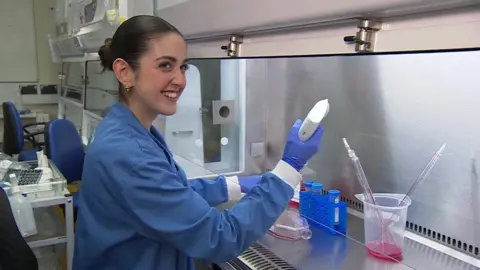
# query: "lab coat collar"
[124,113]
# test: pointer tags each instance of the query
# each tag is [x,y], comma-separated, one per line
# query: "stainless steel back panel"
[395,111]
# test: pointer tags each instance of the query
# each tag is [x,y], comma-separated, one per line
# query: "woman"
[137,210]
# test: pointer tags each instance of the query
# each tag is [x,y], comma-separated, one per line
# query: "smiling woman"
[136,208]
[148,57]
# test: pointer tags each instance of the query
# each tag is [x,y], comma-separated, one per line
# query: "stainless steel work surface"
[325,251]
[416,255]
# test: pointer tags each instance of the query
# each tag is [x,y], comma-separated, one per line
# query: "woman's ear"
[124,72]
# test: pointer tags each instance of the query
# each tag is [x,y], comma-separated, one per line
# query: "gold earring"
[127,87]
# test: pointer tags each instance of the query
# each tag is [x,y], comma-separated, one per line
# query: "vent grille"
[428,233]
[260,258]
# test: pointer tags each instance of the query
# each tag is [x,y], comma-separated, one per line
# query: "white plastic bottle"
[22,210]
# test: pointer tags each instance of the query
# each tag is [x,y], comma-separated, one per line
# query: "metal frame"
[69,238]
[62,76]
[427,31]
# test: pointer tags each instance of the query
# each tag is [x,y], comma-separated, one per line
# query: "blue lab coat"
[138,211]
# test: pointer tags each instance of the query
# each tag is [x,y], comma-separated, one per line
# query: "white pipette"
[313,119]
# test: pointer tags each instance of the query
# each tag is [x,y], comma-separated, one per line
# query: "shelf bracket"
[233,47]
[365,38]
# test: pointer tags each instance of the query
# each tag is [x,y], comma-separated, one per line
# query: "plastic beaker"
[385,225]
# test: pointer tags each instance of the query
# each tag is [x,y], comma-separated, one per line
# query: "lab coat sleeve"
[214,192]
[163,209]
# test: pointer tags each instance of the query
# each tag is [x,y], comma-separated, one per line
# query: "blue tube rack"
[320,212]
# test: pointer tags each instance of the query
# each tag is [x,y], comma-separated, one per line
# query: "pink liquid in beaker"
[385,250]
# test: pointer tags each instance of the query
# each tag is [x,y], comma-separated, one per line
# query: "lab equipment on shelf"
[291,226]
[35,182]
[21,209]
[49,191]
[26,177]
[385,224]
[320,211]
[7,162]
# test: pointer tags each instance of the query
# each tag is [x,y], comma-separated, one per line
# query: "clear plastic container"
[52,184]
[22,210]
[385,225]
[291,226]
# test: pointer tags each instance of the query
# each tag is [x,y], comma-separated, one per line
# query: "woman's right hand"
[298,152]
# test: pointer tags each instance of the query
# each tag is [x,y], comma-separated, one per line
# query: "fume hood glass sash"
[209,127]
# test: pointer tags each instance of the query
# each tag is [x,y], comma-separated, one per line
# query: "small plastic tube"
[308,186]
[334,198]
[317,188]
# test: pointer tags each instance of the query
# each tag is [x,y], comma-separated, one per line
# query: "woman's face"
[160,78]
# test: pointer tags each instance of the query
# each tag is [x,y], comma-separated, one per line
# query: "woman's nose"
[179,79]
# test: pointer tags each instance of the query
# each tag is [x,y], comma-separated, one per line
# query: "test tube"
[317,189]
[317,201]
[306,200]
[308,185]
[334,198]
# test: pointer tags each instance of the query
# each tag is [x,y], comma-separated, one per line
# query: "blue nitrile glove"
[248,182]
[297,152]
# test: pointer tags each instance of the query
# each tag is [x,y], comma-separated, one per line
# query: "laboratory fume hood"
[389,69]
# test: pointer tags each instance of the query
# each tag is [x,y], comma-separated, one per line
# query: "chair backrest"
[12,129]
[64,147]
[15,253]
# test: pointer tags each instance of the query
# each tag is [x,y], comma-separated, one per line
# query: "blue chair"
[14,134]
[63,146]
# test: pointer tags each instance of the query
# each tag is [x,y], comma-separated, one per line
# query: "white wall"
[43,12]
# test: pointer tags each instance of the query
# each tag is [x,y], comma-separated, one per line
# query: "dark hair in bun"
[105,54]
[130,41]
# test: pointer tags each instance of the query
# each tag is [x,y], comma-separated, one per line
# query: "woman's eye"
[184,68]
[165,65]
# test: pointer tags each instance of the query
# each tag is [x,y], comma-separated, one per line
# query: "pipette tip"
[442,148]
[346,143]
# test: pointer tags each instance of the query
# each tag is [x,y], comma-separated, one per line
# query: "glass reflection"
[206,130]
[101,89]
[72,86]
